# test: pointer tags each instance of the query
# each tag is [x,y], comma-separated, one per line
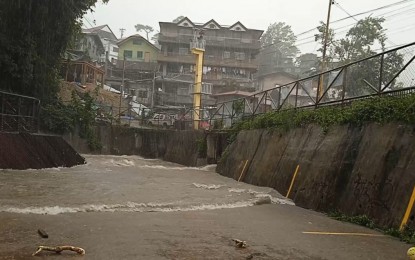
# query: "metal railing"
[18,113]
[391,73]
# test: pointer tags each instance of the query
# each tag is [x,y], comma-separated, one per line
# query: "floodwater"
[128,207]
[127,184]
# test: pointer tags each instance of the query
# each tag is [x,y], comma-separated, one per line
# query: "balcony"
[213,41]
[210,61]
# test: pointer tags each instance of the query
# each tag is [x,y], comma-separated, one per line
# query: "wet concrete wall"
[170,145]
[27,151]
[356,170]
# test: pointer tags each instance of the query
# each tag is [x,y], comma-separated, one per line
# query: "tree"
[331,43]
[155,38]
[31,49]
[178,19]
[308,63]
[146,28]
[360,42]
[281,37]
[278,49]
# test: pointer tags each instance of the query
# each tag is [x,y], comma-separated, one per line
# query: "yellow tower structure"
[198,48]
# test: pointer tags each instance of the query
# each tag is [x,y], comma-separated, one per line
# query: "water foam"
[134,207]
[207,187]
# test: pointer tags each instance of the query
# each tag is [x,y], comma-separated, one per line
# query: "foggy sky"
[302,15]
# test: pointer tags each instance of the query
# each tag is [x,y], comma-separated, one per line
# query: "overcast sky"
[302,15]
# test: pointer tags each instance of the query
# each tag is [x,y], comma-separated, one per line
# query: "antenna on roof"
[122,30]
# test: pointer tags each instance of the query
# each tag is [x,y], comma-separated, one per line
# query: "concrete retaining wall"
[356,170]
[174,146]
[27,151]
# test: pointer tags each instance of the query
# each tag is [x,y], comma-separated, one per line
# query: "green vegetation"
[63,118]
[361,41]
[202,147]
[361,220]
[406,235]
[376,109]
[33,38]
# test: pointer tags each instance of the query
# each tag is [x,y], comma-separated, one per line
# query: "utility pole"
[152,93]
[323,62]
[106,61]
[122,30]
[122,87]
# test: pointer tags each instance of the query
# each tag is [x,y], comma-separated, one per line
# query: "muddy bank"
[28,151]
[356,170]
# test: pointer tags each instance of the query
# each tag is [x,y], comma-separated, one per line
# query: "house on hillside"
[136,48]
[271,80]
[90,45]
[108,39]
[229,59]
[137,65]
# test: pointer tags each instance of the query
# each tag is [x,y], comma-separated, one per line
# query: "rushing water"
[126,183]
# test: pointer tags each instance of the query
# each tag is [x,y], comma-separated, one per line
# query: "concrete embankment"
[190,148]
[355,170]
[27,151]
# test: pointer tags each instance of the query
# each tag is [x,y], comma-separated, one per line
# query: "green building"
[137,48]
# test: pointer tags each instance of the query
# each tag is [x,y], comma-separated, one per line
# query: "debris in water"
[42,233]
[59,249]
[239,243]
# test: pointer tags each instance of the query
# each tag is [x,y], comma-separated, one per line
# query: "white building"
[108,39]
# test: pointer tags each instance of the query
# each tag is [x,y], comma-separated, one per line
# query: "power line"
[359,14]
[381,15]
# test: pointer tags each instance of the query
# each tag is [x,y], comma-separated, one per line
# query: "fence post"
[318,91]
[296,94]
[381,74]
[344,83]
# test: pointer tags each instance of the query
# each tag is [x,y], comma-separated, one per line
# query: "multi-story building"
[108,39]
[229,59]
[89,46]
[136,66]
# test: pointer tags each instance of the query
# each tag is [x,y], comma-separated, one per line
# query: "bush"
[376,109]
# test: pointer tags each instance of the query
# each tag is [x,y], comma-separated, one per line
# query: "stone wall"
[29,151]
[356,170]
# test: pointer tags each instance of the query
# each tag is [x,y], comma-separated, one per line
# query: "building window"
[143,94]
[226,54]
[115,49]
[183,51]
[183,91]
[128,54]
[239,56]
[137,41]
[212,26]
[207,88]
[237,28]
[185,24]
[139,54]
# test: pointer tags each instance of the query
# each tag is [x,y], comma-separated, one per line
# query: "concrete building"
[138,69]
[90,46]
[108,39]
[229,59]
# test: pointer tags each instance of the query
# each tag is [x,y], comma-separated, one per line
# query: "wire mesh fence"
[18,113]
[391,73]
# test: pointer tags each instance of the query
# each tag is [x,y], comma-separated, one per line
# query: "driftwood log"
[59,249]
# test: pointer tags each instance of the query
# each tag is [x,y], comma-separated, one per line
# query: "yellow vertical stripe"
[292,181]
[408,210]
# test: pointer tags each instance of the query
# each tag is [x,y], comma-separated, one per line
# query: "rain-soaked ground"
[128,207]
